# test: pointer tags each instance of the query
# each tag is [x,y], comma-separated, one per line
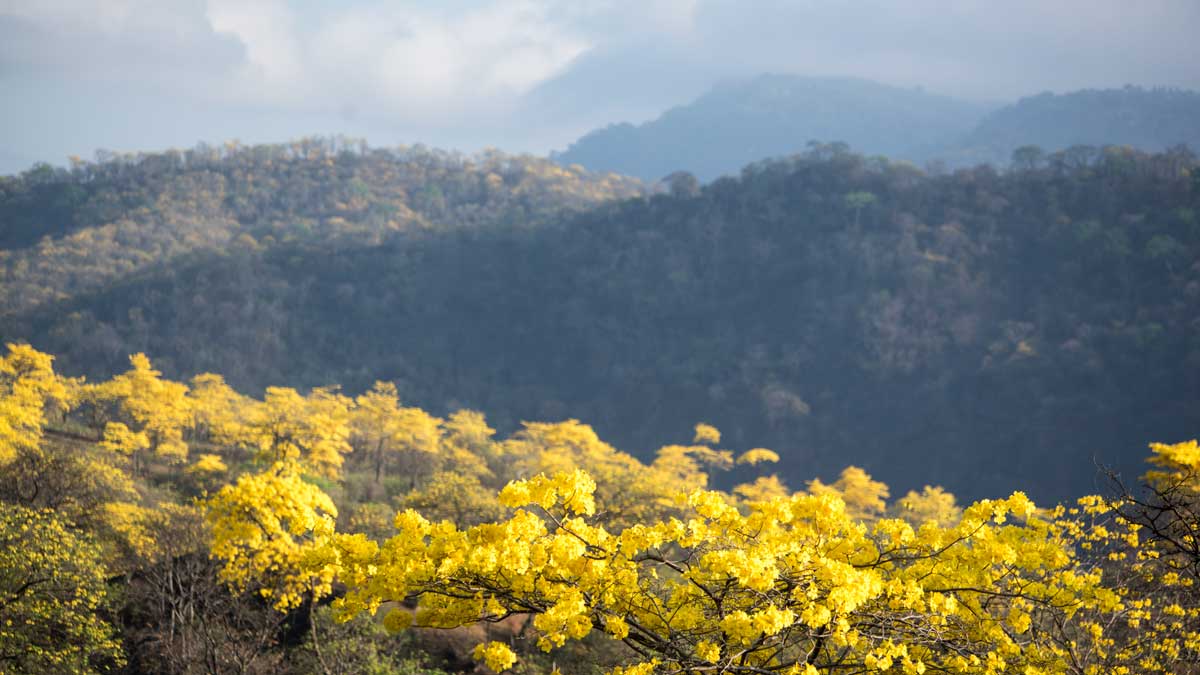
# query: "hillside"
[1148,119]
[70,231]
[975,330]
[775,115]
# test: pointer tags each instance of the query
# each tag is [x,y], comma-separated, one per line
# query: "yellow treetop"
[931,504]
[155,411]
[792,582]
[865,497]
[263,526]
[313,430]
[28,385]
[218,412]
[707,434]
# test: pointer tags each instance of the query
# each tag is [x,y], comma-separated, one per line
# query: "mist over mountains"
[775,115]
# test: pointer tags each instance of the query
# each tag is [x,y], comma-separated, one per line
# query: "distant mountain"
[776,115]
[1146,119]
[773,115]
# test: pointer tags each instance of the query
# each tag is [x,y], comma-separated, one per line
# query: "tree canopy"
[263,555]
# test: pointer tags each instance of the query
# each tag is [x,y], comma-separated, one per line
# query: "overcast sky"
[521,75]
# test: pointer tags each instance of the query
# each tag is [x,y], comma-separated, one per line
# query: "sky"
[521,75]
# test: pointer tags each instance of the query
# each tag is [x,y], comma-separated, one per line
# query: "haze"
[520,75]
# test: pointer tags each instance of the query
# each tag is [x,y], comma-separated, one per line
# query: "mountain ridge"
[741,121]
[775,115]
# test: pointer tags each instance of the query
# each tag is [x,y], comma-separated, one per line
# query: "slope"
[1147,119]
[976,330]
[65,232]
[774,115]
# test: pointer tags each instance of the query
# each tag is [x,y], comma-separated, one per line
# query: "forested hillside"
[776,115]
[70,231]
[977,330]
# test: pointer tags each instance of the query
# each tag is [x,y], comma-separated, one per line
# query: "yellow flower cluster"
[787,583]
[595,543]
[497,655]
[264,526]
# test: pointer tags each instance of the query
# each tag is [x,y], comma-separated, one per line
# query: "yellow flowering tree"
[218,412]
[630,491]
[468,446]
[865,497]
[151,413]
[75,480]
[789,584]
[625,486]
[1148,543]
[382,427]
[263,526]
[930,504]
[312,430]
[28,385]
[52,587]
[459,498]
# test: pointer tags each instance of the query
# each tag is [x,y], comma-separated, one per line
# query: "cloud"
[410,59]
[156,41]
[273,66]
[424,63]
[975,48]
[533,74]
[416,63]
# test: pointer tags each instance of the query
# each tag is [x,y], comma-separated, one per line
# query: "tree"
[793,584]
[376,423]
[1150,544]
[857,201]
[312,431]
[58,473]
[152,412]
[624,485]
[218,412]
[52,589]
[468,444]
[28,385]
[383,427]
[262,528]
[1027,157]
[865,497]
[682,184]
[457,498]
[931,504]
[630,491]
